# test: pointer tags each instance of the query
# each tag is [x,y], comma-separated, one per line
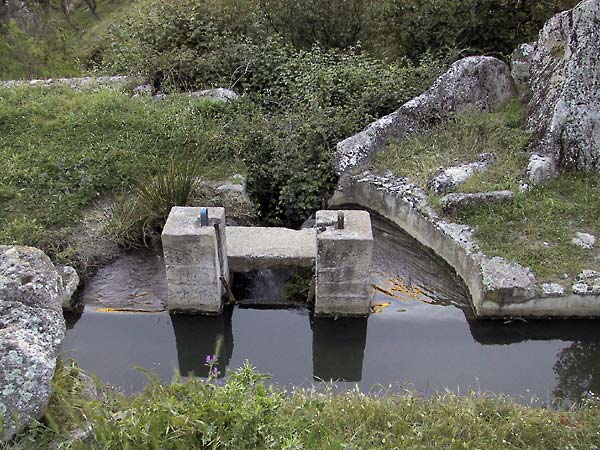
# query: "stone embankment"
[32,329]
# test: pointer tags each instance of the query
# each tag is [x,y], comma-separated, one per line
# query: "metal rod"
[310,298]
[340,220]
[221,257]
[203,217]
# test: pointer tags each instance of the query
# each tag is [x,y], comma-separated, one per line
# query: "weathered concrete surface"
[498,288]
[564,90]
[455,202]
[343,264]
[195,259]
[477,83]
[32,329]
[255,248]
[449,178]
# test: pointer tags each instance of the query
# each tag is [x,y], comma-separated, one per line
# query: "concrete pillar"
[343,263]
[195,258]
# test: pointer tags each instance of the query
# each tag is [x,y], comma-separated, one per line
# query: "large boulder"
[563,92]
[477,83]
[32,329]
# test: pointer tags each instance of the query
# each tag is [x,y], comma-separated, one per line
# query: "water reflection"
[338,348]
[199,336]
[578,371]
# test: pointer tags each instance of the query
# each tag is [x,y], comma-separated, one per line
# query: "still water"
[422,337]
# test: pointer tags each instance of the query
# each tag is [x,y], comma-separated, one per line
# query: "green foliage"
[536,229]
[138,215]
[471,26]
[23,55]
[332,24]
[334,95]
[298,287]
[243,413]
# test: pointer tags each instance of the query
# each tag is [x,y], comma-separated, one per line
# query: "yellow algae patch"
[379,307]
[397,289]
[127,310]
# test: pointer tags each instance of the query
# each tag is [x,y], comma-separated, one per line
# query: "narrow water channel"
[423,335]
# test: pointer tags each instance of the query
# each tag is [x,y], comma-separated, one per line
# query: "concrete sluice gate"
[201,253]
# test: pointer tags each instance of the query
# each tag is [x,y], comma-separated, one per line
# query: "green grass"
[536,229]
[461,141]
[61,150]
[243,413]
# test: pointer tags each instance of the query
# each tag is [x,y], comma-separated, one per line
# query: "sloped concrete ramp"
[253,248]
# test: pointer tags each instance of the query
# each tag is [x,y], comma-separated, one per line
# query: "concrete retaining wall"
[498,287]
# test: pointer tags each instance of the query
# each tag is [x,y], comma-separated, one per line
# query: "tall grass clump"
[138,215]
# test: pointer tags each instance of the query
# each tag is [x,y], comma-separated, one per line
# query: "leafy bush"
[470,26]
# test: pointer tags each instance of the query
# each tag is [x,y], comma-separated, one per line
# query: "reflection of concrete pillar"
[199,336]
[344,252]
[195,258]
[338,348]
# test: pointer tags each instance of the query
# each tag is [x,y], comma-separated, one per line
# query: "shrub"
[471,26]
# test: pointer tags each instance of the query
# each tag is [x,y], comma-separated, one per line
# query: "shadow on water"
[197,337]
[423,334]
[338,347]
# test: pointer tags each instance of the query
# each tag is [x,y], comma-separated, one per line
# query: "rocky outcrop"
[520,65]
[584,240]
[449,178]
[218,94]
[32,329]
[477,83]
[563,93]
[455,202]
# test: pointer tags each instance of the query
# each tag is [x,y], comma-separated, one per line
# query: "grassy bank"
[243,413]
[536,229]
[62,150]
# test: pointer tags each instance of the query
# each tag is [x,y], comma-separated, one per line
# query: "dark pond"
[423,336]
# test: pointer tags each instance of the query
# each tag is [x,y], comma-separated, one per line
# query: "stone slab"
[255,248]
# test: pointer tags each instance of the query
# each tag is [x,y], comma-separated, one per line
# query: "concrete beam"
[256,248]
